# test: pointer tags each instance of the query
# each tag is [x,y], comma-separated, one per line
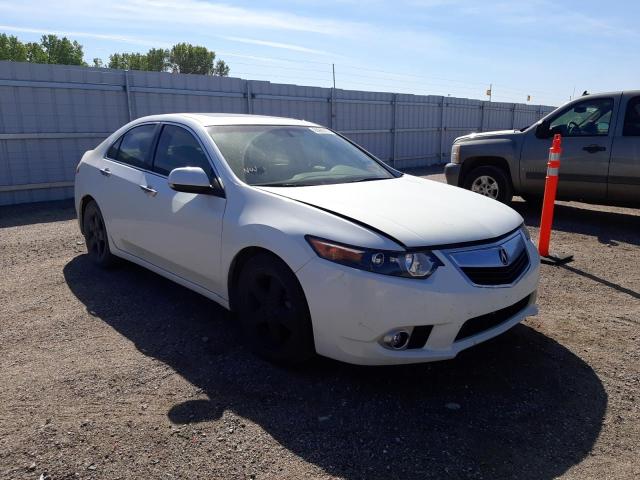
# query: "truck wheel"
[492,182]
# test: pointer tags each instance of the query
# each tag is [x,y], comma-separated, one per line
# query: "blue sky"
[541,48]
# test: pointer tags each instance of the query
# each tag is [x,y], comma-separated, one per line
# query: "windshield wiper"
[367,179]
[284,184]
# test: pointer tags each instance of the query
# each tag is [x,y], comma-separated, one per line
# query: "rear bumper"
[452,173]
[352,310]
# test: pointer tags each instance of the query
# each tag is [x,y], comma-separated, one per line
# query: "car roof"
[211,119]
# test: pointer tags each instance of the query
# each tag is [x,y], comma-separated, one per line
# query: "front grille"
[498,275]
[477,325]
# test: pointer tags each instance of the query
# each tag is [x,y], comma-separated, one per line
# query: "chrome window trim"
[155,145]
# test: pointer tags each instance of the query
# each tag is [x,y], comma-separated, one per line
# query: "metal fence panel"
[51,114]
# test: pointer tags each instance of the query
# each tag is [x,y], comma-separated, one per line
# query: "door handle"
[105,171]
[594,148]
[148,190]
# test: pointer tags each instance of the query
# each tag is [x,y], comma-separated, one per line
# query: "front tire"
[492,182]
[95,236]
[273,311]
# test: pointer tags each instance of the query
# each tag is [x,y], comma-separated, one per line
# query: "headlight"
[419,264]
[455,153]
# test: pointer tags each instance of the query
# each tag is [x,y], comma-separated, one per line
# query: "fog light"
[396,339]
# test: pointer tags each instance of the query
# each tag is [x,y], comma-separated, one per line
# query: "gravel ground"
[123,374]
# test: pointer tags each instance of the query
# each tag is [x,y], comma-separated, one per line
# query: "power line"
[344,73]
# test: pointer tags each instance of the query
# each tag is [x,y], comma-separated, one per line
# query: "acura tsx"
[315,244]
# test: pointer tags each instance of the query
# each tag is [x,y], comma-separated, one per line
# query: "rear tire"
[492,182]
[273,311]
[95,236]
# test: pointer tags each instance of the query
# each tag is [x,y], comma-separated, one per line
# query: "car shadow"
[521,405]
[607,226]
[40,212]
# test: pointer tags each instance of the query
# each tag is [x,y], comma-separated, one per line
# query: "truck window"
[632,118]
[585,119]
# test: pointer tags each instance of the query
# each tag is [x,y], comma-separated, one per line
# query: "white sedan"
[318,246]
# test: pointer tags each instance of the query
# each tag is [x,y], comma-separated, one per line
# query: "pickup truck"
[600,161]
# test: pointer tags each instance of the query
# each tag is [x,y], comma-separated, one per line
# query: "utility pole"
[333,69]
[490,91]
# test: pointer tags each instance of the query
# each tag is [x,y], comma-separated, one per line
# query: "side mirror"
[194,180]
[542,130]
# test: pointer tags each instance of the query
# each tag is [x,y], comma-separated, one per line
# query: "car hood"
[414,211]
[488,135]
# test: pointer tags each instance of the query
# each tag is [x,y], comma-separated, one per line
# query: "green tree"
[128,61]
[187,58]
[221,69]
[12,49]
[97,62]
[158,60]
[35,53]
[62,50]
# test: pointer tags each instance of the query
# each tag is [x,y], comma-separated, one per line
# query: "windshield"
[293,156]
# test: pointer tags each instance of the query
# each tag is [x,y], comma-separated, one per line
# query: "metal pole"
[333,69]
[128,94]
[394,138]
[248,92]
[442,130]
[331,108]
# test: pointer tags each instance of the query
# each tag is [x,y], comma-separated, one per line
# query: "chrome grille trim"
[483,265]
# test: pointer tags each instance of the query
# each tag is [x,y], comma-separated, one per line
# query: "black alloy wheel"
[95,235]
[273,311]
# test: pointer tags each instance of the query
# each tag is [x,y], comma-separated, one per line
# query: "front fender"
[271,222]
[479,151]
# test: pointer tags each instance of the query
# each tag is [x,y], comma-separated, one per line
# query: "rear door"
[587,132]
[122,177]
[624,172]
[182,231]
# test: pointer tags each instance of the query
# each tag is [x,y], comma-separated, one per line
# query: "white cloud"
[267,43]
[198,12]
[69,33]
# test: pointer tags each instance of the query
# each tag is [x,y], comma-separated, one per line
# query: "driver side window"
[585,119]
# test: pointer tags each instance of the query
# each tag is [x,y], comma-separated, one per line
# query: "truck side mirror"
[542,130]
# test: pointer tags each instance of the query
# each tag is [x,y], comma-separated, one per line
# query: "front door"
[183,231]
[587,132]
[624,172]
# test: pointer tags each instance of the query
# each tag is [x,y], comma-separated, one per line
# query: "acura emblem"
[504,256]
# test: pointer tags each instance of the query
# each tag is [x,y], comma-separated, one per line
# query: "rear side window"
[136,145]
[632,118]
[177,148]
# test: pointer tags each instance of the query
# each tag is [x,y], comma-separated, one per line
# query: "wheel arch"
[472,163]
[83,205]
[239,261]
[484,161]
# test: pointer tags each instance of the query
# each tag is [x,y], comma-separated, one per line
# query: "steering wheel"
[573,127]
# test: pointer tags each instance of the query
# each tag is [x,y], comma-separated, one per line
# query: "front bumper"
[352,310]
[452,173]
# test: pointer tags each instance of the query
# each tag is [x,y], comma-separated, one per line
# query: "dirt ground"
[125,375]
